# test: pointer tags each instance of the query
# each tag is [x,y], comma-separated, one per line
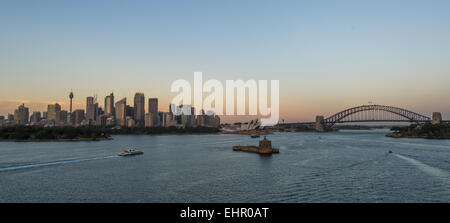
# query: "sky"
[327,55]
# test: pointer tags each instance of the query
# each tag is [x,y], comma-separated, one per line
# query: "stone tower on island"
[265,146]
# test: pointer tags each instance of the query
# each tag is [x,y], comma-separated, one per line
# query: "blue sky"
[328,55]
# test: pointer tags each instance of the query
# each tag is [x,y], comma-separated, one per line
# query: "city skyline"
[65,106]
[114,113]
[328,56]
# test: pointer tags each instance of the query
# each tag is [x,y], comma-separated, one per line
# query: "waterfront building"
[130,122]
[208,120]
[150,120]
[2,120]
[110,121]
[102,120]
[21,115]
[139,108]
[213,121]
[201,119]
[167,119]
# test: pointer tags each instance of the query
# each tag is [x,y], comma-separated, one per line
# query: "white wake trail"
[54,163]
[441,174]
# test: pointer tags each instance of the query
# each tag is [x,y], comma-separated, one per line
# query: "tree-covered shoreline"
[34,133]
[428,131]
[89,133]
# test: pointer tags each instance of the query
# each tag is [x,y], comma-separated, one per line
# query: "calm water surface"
[347,166]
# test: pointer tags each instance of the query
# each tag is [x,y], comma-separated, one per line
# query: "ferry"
[130,152]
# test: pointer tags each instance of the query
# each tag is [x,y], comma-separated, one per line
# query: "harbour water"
[345,166]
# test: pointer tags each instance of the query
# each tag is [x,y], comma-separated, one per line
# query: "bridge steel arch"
[408,115]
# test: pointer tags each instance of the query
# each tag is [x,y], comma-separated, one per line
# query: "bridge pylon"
[320,123]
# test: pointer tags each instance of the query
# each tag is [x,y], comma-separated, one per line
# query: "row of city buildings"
[113,114]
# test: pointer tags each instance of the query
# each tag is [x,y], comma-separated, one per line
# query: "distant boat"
[130,152]
[390,151]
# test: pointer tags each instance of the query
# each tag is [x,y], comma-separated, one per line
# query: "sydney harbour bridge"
[369,113]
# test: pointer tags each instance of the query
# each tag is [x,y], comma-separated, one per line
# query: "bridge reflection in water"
[370,113]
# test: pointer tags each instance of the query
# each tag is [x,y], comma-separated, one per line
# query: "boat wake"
[54,163]
[426,168]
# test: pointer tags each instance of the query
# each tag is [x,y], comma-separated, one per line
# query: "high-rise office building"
[79,116]
[153,105]
[172,109]
[101,121]
[10,117]
[51,111]
[61,117]
[21,115]
[121,112]
[153,109]
[109,105]
[35,117]
[167,119]
[129,122]
[129,112]
[91,109]
[139,108]
[89,100]
[149,120]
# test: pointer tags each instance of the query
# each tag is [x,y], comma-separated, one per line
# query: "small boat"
[390,151]
[130,152]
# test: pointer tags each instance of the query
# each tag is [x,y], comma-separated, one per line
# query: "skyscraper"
[139,108]
[51,111]
[129,112]
[153,105]
[153,110]
[35,117]
[91,109]
[10,117]
[61,117]
[149,120]
[109,105]
[121,112]
[79,116]
[21,115]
